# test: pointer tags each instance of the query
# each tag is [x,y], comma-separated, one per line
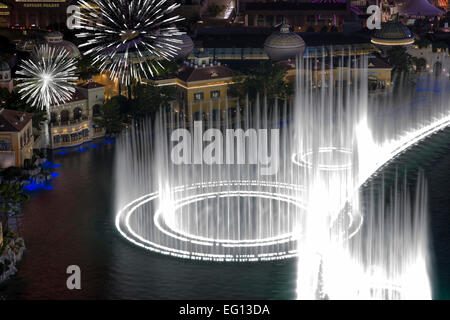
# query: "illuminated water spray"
[218,204]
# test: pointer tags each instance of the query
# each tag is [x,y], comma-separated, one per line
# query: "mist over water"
[354,238]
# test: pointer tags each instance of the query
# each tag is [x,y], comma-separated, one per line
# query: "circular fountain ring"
[304,159]
[168,239]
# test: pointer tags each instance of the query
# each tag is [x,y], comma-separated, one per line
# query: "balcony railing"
[69,122]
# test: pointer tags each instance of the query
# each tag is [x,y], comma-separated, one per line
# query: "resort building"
[252,44]
[53,39]
[436,61]
[199,82]
[16,138]
[72,123]
[33,13]
[337,69]
[5,76]
[303,16]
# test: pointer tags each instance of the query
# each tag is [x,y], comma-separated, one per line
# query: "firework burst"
[48,77]
[129,37]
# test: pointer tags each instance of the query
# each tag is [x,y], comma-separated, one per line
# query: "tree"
[13,101]
[149,99]
[170,69]
[86,68]
[112,119]
[268,79]
[11,199]
[214,10]
[401,60]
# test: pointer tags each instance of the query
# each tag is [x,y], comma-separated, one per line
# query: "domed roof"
[4,66]
[186,47]
[54,34]
[284,44]
[393,33]
[55,39]
[69,46]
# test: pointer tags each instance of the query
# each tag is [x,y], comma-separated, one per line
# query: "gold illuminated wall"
[26,13]
[441,3]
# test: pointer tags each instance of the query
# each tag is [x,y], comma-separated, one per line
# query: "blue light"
[81,150]
[62,152]
[54,174]
[108,141]
[94,146]
[34,186]
[49,165]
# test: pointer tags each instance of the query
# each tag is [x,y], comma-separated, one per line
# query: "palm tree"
[268,80]
[11,199]
[87,68]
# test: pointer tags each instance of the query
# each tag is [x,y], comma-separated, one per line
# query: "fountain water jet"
[310,208]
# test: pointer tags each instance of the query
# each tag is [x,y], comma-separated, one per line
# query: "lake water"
[72,224]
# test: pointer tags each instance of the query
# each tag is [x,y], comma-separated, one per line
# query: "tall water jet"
[220,189]
[340,147]
[239,185]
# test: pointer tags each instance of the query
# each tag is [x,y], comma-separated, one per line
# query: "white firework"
[48,77]
[128,38]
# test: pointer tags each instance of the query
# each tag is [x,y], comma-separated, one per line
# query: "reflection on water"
[73,224]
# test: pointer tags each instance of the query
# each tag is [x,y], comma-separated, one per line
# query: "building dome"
[393,33]
[55,39]
[284,44]
[186,47]
[54,36]
[69,46]
[4,66]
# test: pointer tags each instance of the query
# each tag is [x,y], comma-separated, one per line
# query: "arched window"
[64,115]
[53,117]
[77,113]
[437,69]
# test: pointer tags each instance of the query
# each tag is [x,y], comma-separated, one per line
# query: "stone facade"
[16,138]
[72,123]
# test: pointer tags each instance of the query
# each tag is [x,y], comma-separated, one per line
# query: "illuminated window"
[215,94]
[198,96]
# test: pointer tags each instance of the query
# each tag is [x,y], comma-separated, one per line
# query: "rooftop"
[77,96]
[393,33]
[13,121]
[294,6]
[379,63]
[241,37]
[90,85]
[189,73]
